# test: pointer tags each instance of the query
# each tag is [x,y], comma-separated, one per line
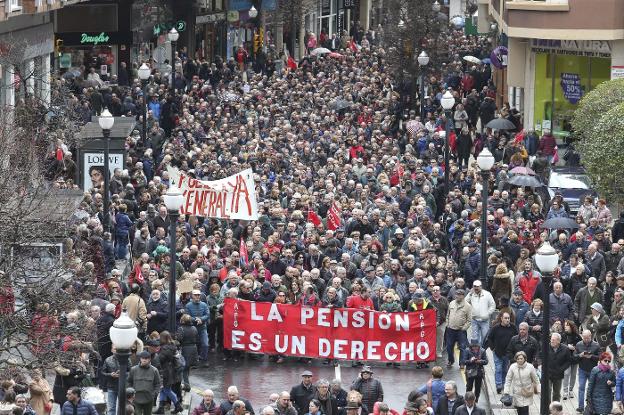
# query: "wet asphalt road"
[257,379]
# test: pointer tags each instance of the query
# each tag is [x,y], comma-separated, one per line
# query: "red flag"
[244,255]
[333,218]
[314,218]
[353,46]
[291,63]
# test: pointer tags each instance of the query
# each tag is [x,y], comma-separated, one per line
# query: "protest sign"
[332,333]
[233,197]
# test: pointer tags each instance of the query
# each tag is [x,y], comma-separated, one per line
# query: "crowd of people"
[406,241]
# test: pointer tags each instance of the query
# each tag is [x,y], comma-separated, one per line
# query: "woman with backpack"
[168,371]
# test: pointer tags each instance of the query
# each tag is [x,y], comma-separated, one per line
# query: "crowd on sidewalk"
[405,242]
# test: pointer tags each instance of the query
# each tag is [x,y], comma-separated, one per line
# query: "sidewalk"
[496,407]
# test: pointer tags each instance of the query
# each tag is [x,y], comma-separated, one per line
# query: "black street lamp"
[485,161]
[173,37]
[123,334]
[144,74]
[106,121]
[448,102]
[423,61]
[173,200]
[546,259]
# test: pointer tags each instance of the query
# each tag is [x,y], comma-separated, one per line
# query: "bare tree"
[34,217]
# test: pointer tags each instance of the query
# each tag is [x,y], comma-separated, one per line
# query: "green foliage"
[603,138]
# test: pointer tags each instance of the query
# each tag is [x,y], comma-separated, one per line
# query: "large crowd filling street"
[323,135]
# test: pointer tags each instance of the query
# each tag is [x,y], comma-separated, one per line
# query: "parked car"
[574,185]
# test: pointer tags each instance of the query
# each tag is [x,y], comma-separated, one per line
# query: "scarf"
[326,403]
[603,367]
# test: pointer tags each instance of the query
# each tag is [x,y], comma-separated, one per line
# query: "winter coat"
[472,268]
[499,338]
[519,377]
[559,360]
[301,396]
[582,301]
[212,410]
[561,308]
[474,369]
[519,310]
[370,389]
[619,385]
[533,320]
[599,329]
[167,360]
[159,321]
[146,381]
[187,337]
[111,365]
[81,408]
[599,393]
[530,347]
[502,285]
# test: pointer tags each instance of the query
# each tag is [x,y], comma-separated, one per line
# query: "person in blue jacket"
[434,386]
[200,313]
[123,224]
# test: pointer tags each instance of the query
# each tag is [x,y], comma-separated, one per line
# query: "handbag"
[527,391]
[506,400]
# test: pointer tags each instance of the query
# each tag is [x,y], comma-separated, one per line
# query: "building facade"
[558,50]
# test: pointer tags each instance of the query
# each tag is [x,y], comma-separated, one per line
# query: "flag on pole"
[333,217]
[291,63]
[353,46]
[244,255]
[314,218]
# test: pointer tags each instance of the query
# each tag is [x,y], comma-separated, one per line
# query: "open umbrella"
[414,126]
[501,124]
[525,181]
[522,170]
[472,59]
[560,223]
[320,51]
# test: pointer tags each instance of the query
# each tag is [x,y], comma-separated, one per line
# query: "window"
[13,5]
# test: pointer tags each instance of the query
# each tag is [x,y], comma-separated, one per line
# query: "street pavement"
[257,379]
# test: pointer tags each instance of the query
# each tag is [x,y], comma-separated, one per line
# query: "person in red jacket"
[528,281]
[361,301]
[548,145]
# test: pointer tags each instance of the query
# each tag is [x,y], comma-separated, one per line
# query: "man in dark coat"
[448,404]
[470,407]
[303,393]
[370,388]
[157,313]
[559,360]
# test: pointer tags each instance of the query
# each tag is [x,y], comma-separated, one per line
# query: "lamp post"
[106,121]
[448,102]
[253,13]
[436,6]
[423,61]
[485,161]
[144,74]
[173,37]
[173,200]
[123,334]
[546,259]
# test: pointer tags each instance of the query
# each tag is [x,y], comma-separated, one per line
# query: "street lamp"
[144,74]
[423,61]
[401,25]
[448,102]
[546,259]
[485,161]
[173,200]
[173,37]
[123,334]
[106,121]
[436,6]
[253,12]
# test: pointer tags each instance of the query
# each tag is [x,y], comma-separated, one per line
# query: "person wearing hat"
[200,313]
[145,379]
[519,306]
[370,388]
[419,301]
[459,318]
[353,408]
[371,280]
[302,394]
[598,323]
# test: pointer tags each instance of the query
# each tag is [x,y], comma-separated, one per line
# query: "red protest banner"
[334,333]
[333,217]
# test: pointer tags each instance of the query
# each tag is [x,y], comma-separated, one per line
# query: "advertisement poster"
[93,167]
[571,85]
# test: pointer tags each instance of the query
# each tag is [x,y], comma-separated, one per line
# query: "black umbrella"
[501,124]
[560,223]
[528,181]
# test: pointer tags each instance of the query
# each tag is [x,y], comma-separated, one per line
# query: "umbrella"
[522,170]
[320,51]
[501,124]
[340,104]
[486,61]
[472,59]
[560,223]
[528,181]
[413,126]
[335,55]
